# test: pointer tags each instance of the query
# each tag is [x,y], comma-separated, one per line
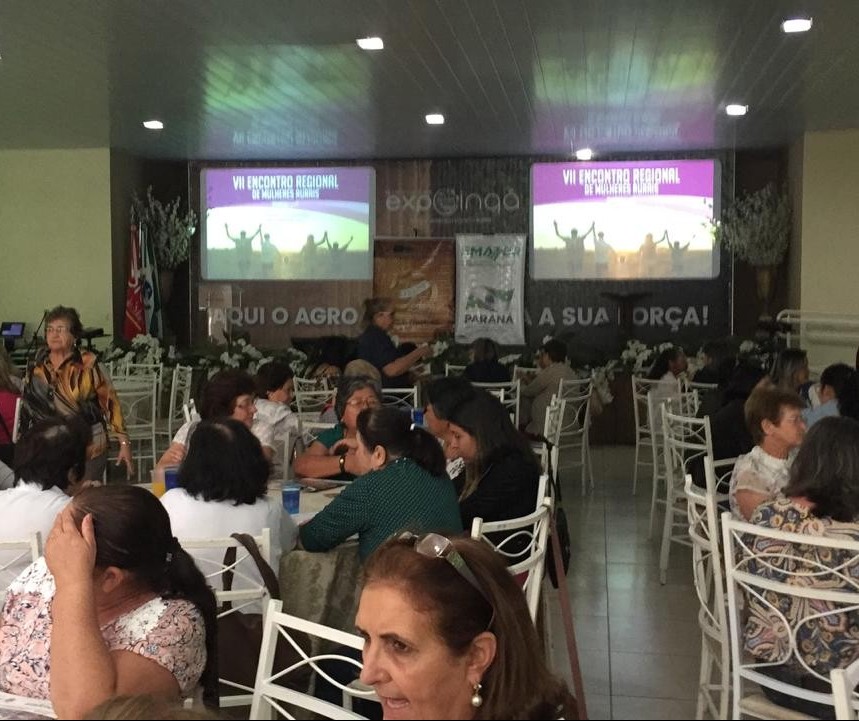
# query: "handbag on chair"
[240,634]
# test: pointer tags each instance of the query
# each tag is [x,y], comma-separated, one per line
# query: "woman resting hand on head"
[114,607]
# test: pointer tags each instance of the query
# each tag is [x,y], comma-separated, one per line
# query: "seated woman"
[484,366]
[332,454]
[821,499]
[837,385]
[227,393]
[49,463]
[501,471]
[774,418]
[790,371]
[403,486]
[275,391]
[666,369]
[114,607]
[222,490]
[450,605]
[442,396]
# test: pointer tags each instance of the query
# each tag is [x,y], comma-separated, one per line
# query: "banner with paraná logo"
[490,279]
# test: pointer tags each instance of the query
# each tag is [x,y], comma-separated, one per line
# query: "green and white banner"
[490,280]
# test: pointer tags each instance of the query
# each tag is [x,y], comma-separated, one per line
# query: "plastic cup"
[418,416]
[171,477]
[157,478]
[291,493]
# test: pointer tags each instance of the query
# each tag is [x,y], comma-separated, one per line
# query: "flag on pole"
[135,320]
[151,290]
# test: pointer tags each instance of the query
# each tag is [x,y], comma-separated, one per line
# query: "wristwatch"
[342,463]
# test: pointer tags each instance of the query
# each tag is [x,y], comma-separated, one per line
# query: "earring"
[476,698]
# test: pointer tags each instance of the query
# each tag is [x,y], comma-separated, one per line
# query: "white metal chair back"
[150,372]
[310,404]
[686,441]
[784,590]
[524,374]
[549,454]
[404,398]
[180,395]
[509,396]
[16,423]
[453,370]
[643,427]
[15,556]
[310,384]
[844,682]
[270,696]
[248,593]
[574,445]
[535,528]
[189,412]
[138,399]
[714,680]
[655,398]
[308,431]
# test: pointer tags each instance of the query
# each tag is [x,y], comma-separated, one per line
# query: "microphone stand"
[30,360]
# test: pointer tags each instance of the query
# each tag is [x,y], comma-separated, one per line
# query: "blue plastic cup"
[171,477]
[291,494]
[418,416]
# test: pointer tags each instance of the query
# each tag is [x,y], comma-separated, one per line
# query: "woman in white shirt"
[222,490]
[229,393]
[49,463]
[275,391]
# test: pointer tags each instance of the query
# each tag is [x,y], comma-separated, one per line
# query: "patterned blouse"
[760,472]
[170,632]
[81,387]
[830,641]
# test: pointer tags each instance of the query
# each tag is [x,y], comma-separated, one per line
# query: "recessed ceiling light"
[796,25]
[736,109]
[373,43]
[435,119]
[153,125]
[584,154]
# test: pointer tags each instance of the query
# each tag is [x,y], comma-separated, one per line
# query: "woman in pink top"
[115,607]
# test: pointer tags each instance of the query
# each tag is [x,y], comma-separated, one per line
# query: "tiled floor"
[638,641]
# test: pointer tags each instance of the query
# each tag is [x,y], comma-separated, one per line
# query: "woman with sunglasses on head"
[375,345]
[68,381]
[332,453]
[403,484]
[447,635]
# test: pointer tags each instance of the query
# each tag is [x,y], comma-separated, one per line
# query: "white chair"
[643,429]
[844,682]
[15,556]
[310,404]
[310,384]
[189,412]
[453,370]
[138,399]
[535,528]
[509,396]
[268,693]
[180,395]
[687,440]
[714,680]
[574,443]
[787,584]
[404,398]
[547,451]
[153,372]
[248,593]
[524,374]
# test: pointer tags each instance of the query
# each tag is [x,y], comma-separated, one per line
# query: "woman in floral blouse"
[821,499]
[114,607]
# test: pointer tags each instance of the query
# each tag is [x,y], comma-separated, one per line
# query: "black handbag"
[561,526]
[240,634]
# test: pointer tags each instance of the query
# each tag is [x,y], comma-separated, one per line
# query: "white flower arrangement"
[169,230]
[756,227]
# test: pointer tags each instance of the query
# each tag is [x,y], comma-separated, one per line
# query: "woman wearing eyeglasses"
[227,394]
[447,635]
[332,454]
[376,347]
[68,381]
[402,485]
